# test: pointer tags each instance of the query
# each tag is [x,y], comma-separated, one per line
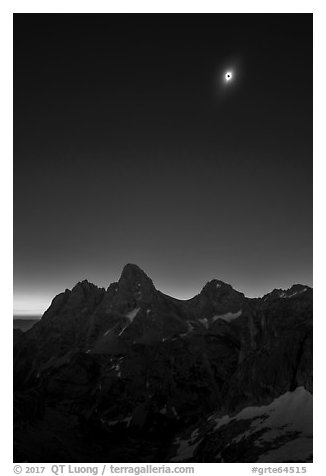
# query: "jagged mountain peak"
[131,269]
[294,290]
[132,275]
[217,287]
[84,285]
[84,289]
[136,361]
[299,287]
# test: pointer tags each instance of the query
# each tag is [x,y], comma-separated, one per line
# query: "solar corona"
[228,76]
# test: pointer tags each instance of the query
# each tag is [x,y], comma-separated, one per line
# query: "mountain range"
[129,374]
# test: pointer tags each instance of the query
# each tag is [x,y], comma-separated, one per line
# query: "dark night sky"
[128,147]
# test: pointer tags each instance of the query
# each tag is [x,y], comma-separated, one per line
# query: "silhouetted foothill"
[131,374]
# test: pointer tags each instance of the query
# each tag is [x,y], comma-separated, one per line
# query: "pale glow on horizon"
[35,304]
[30,304]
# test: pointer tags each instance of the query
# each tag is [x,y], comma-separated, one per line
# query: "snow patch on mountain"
[288,415]
[132,314]
[281,431]
[290,409]
[228,317]
[204,322]
[122,330]
[287,296]
[185,449]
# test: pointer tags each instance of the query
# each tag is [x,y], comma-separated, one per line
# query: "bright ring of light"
[228,76]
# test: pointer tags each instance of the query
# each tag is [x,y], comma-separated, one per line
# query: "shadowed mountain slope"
[124,374]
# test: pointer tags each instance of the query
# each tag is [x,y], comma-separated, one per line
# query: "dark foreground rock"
[129,374]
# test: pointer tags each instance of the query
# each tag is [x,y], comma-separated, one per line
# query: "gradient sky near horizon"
[129,146]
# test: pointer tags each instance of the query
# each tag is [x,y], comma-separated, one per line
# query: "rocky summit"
[129,374]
